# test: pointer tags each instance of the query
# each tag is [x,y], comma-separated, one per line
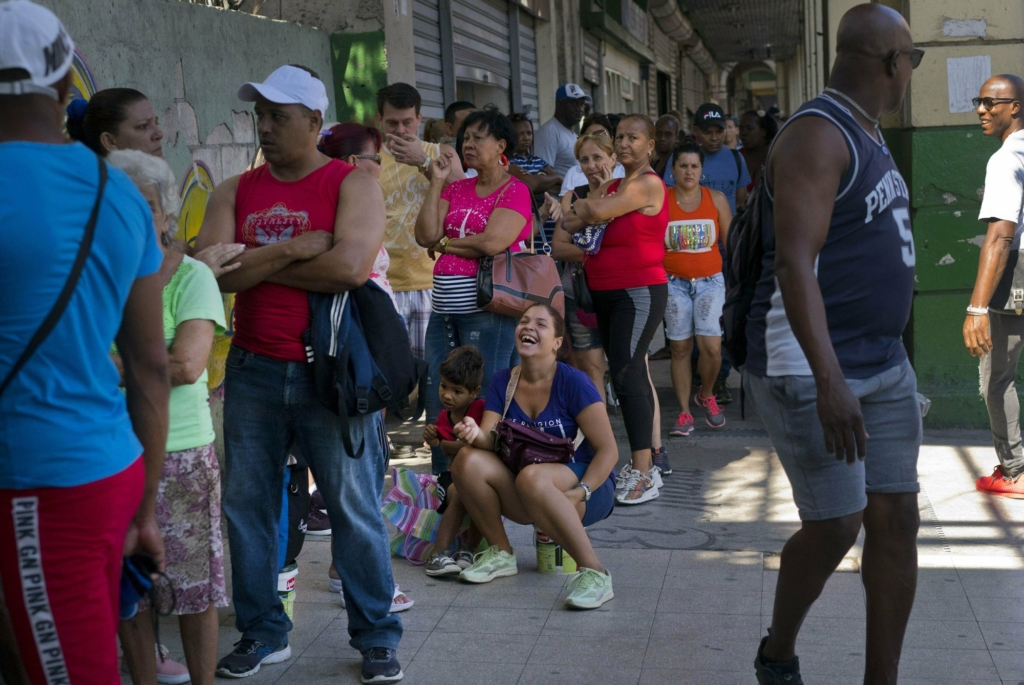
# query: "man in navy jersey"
[826,365]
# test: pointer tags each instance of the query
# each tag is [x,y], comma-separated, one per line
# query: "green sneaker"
[490,564]
[589,589]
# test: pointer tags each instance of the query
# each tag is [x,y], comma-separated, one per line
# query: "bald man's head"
[872,30]
[874,56]
[999,105]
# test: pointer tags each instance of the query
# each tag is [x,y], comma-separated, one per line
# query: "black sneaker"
[660,458]
[248,656]
[380,665]
[722,392]
[316,500]
[776,673]
[317,523]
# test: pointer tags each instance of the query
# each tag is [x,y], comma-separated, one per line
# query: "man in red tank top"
[309,223]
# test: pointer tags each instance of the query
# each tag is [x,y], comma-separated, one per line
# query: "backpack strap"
[50,322]
[739,167]
[510,389]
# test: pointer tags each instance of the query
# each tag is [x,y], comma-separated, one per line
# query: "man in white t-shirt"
[556,139]
[994,329]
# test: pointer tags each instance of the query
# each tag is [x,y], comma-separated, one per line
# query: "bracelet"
[977,311]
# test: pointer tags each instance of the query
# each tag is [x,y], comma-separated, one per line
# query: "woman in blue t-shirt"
[561,499]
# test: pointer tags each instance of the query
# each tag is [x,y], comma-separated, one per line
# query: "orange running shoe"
[999,484]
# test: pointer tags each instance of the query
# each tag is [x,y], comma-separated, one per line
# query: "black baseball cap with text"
[709,114]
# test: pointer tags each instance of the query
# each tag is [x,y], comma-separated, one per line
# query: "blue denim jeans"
[492,334]
[269,409]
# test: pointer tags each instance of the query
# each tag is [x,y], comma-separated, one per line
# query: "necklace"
[853,102]
[682,200]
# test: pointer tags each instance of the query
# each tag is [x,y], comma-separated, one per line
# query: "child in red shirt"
[461,376]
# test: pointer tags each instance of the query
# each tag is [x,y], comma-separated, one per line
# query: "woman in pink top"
[469,219]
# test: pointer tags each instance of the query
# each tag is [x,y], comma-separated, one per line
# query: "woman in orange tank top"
[698,219]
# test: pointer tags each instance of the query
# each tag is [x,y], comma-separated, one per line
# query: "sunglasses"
[916,55]
[989,103]
[372,158]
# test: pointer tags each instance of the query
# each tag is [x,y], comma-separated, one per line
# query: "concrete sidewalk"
[694,585]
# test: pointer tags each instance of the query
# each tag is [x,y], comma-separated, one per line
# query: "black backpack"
[361,356]
[744,255]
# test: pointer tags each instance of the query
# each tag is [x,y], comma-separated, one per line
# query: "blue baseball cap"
[570,91]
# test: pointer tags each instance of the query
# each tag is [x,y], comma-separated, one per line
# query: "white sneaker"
[623,478]
[656,477]
[639,489]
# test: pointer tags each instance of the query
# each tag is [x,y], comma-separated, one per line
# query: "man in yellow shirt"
[405,178]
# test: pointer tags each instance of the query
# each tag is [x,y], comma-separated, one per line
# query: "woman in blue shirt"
[560,499]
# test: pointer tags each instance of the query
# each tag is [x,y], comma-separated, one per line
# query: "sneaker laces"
[585,581]
[711,403]
[480,557]
[378,654]
[681,421]
[247,646]
[635,476]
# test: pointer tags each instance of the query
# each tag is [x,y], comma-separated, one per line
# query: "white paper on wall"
[964,28]
[965,76]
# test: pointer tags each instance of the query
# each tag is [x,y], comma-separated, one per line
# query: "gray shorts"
[824,488]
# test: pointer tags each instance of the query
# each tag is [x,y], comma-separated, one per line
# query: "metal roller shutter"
[528,64]
[426,29]
[480,31]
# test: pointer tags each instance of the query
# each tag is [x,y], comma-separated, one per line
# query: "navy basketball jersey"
[865,268]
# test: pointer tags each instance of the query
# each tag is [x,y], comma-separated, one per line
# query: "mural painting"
[195,193]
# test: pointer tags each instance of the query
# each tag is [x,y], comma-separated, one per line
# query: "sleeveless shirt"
[691,240]
[632,250]
[270,318]
[865,268]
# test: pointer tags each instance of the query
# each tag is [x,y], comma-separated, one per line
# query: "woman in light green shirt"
[188,501]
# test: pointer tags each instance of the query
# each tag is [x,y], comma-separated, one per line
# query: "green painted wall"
[945,170]
[360,70]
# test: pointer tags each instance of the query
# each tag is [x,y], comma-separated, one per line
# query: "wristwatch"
[425,166]
[442,244]
[586,491]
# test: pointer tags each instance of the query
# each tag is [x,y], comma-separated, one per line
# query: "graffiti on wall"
[195,193]
[83,85]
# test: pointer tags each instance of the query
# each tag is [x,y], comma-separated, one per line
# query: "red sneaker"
[999,484]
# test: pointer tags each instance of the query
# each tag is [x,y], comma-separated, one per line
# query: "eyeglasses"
[989,103]
[916,55]
[372,158]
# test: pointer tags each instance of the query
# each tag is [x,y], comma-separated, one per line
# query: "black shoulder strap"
[739,166]
[69,286]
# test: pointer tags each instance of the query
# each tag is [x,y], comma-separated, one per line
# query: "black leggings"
[626,322]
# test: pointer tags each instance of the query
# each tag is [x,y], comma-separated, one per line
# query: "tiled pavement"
[694,587]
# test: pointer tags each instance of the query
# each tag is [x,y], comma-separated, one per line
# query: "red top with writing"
[271,318]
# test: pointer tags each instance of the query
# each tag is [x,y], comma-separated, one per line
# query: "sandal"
[397,606]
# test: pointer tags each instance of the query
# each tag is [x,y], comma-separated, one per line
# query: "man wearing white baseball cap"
[78,269]
[556,139]
[309,223]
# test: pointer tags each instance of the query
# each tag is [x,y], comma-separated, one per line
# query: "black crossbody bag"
[50,322]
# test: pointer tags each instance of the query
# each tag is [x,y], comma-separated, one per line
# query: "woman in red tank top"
[698,219]
[629,288]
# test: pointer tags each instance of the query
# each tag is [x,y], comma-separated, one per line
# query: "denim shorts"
[602,500]
[823,487]
[583,338]
[694,306]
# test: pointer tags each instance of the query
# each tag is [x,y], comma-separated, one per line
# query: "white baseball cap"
[33,40]
[289,86]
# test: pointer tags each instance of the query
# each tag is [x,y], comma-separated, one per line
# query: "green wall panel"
[949,166]
[360,70]
[947,243]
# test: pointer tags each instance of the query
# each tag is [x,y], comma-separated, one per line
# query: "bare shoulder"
[718,197]
[359,181]
[811,146]
[228,187]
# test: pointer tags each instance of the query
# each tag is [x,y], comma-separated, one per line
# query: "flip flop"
[404,606]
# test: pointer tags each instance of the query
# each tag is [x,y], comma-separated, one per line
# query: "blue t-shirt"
[572,391]
[63,420]
[726,171]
